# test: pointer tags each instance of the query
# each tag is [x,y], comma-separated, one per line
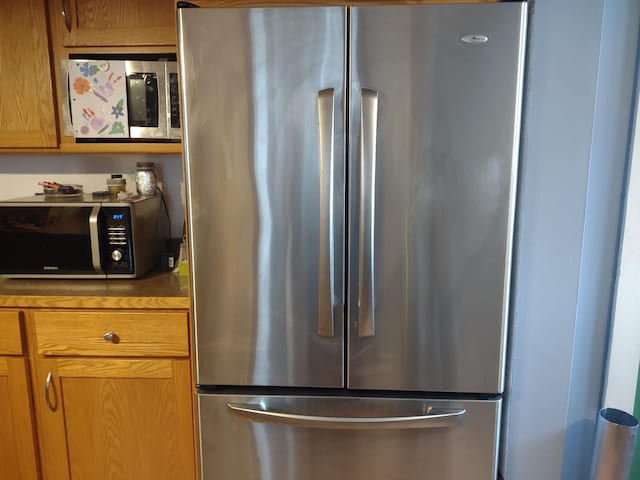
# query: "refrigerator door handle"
[368,139]
[436,418]
[327,276]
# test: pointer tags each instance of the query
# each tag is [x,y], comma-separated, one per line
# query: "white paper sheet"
[98,93]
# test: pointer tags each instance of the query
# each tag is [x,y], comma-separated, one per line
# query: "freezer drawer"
[355,438]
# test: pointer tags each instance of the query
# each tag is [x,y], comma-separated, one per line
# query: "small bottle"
[116,184]
[146,180]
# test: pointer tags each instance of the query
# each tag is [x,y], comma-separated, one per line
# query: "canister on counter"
[116,184]
[146,180]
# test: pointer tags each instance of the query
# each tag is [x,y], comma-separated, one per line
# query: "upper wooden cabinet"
[27,118]
[108,23]
[118,28]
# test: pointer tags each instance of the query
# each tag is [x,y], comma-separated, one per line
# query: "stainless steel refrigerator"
[350,177]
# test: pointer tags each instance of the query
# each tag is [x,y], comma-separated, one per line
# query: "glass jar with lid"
[146,179]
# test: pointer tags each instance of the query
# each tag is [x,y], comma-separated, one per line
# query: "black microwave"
[81,238]
[153,107]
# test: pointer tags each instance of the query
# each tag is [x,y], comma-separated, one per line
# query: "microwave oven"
[81,238]
[153,108]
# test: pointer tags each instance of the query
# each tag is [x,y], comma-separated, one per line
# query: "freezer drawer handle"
[437,418]
[327,274]
[366,277]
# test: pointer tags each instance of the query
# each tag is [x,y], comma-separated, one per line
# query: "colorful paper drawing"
[98,95]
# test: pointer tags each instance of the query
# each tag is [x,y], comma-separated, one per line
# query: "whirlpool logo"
[475,39]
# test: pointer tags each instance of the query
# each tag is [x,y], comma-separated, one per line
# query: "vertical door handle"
[47,388]
[366,276]
[94,238]
[327,254]
[65,16]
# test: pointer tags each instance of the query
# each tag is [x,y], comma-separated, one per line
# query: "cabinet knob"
[110,337]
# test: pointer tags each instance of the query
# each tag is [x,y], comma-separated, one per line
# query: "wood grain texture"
[292,3]
[155,291]
[10,336]
[27,117]
[18,459]
[90,148]
[139,334]
[120,22]
[120,428]
[114,368]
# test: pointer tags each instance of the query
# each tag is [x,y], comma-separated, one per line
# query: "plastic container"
[116,184]
[146,179]
[616,432]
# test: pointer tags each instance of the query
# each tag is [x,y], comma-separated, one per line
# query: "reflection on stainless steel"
[435,419]
[368,141]
[427,218]
[253,167]
[445,193]
[463,449]
[327,267]
[95,239]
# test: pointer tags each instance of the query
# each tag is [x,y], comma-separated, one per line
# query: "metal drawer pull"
[47,387]
[111,337]
[438,418]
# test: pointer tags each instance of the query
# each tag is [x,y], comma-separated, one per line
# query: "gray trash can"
[615,440]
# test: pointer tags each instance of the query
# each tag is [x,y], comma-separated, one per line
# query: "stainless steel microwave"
[152,98]
[81,238]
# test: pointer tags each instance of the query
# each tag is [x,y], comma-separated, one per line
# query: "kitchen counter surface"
[155,290]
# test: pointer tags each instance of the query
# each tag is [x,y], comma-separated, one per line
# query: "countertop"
[155,290]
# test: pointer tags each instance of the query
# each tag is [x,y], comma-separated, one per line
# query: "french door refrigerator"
[350,179]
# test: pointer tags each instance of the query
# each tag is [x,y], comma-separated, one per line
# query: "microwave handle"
[64,98]
[95,238]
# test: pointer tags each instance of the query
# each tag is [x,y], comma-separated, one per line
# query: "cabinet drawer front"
[10,339]
[115,333]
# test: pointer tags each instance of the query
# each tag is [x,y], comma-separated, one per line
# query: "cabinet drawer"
[10,339]
[112,333]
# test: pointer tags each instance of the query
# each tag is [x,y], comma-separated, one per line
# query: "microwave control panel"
[117,249]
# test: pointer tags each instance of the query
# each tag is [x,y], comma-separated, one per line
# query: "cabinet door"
[17,435]
[105,418]
[27,117]
[115,22]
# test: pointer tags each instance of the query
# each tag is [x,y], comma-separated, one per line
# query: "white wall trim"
[624,353]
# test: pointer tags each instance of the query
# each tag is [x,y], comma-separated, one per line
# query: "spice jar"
[146,180]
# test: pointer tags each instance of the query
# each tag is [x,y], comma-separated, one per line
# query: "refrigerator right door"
[435,96]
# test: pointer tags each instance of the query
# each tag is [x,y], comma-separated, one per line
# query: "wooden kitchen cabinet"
[18,459]
[113,394]
[105,23]
[111,28]
[27,118]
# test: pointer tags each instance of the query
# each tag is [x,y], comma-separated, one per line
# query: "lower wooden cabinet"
[17,435]
[107,394]
[116,418]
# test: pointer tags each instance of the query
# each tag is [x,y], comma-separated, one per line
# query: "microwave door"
[146,99]
[50,241]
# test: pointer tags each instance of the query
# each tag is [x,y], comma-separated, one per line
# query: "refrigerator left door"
[263,113]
